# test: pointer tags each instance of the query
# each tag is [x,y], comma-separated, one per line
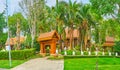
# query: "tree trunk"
[71,38]
[33,33]
[18,34]
[60,42]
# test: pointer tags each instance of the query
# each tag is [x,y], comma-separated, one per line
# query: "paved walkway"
[41,64]
[2,69]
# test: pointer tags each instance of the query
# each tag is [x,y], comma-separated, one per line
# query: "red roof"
[109,41]
[75,33]
[13,41]
[48,35]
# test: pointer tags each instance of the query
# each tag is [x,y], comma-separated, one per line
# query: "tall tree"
[33,9]
[13,24]
[2,34]
[69,18]
[107,8]
[2,22]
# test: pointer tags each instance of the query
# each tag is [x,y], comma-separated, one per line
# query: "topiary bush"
[18,54]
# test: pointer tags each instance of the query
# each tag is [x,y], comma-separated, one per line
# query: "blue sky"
[14,7]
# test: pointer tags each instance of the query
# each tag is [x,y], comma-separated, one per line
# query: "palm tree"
[86,22]
[60,12]
[70,17]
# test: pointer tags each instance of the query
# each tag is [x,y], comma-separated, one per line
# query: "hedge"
[17,54]
[78,56]
[70,52]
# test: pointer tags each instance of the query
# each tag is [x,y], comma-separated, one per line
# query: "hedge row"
[78,56]
[70,52]
[18,54]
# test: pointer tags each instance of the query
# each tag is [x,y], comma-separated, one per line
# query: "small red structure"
[75,37]
[109,43]
[49,38]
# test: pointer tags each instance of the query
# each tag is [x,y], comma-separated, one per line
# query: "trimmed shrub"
[77,53]
[69,52]
[69,56]
[18,54]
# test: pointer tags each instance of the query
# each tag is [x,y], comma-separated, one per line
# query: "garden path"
[41,64]
[2,69]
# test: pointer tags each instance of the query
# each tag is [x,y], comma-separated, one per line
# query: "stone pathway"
[2,69]
[41,64]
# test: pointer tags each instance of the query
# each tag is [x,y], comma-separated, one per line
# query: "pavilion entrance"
[48,39]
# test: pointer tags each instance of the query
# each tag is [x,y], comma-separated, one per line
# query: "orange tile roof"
[13,41]
[48,35]
[109,41]
[75,33]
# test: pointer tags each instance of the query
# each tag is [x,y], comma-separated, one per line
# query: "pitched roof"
[109,41]
[75,33]
[13,41]
[48,35]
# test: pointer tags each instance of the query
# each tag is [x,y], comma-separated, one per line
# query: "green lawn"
[5,63]
[90,64]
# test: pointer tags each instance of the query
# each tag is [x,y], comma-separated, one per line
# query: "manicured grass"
[5,63]
[90,64]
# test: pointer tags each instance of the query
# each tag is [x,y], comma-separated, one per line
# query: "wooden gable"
[48,36]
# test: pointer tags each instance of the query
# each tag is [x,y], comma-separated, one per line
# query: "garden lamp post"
[8,40]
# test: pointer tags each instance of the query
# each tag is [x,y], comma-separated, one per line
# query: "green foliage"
[117,47]
[2,22]
[92,48]
[69,57]
[36,45]
[13,23]
[27,42]
[69,52]
[18,54]
[86,53]
[3,40]
[104,6]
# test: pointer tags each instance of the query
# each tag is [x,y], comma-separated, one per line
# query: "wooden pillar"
[53,47]
[41,48]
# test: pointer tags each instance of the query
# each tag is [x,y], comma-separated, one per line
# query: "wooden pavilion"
[109,42]
[49,38]
[75,37]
